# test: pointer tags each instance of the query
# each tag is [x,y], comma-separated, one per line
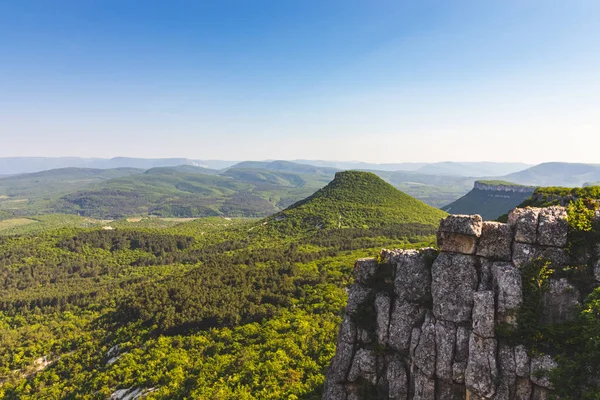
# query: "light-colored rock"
[457,242]
[382,310]
[560,302]
[454,280]
[495,241]
[481,375]
[523,389]
[358,295]
[521,361]
[464,224]
[445,337]
[127,394]
[415,337]
[397,380]
[509,292]
[483,314]
[424,387]
[364,366]
[364,270]
[341,362]
[485,275]
[347,332]
[508,378]
[553,227]
[524,253]
[405,316]
[540,368]
[424,353]
[524,222]
[413,274]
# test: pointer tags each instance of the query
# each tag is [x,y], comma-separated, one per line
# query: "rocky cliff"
[422,324]
[503,187]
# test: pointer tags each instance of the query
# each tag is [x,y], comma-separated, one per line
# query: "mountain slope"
[490,199]
[556,174]
[356,199]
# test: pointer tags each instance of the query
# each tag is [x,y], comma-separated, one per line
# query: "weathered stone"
[461,354]
[347,330]
[424,387]
[521,361]
[449,391]
[405,316]
[597,270]
[553,227]
[464,224]
[397,380]
[540,393]
[458,371]
[508,378]
[509,292]
[364,366]
[445,336]
[454,280]
[333,391]
[540,368]
[481,374]
[364,270]
[524,253]
[364,335]
[523,389]
[382,310]
[358,295]
[560,302]
[483,313]
[495,241]
[457,242]
[415,337]
[413,274]
[424,352]
[524,222]
[341,362]
[485,275]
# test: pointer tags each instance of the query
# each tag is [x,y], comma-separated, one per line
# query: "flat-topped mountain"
[357,199]
[490,199]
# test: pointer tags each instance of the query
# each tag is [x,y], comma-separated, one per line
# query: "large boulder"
[365,270]
[495,241]
[358,296]
[483,314]
[553,227]
[524,222]
[481,375]
[454,280]
[509,291]
[413,274]
[405,316]
[459,233]
[521,361]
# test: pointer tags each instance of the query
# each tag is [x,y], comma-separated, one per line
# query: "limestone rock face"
[509,292]
[553,227]
[561,301]
[495,241]
[459,233]
[483,314]
[524,222]
[413,274]
[454,280]
[481,373]
[421,325]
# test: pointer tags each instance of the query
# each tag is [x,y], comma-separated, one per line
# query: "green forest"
[213,308]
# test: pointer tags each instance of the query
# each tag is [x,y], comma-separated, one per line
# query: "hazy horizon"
[383,82]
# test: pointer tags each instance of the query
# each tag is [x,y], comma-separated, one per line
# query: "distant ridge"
[490,199]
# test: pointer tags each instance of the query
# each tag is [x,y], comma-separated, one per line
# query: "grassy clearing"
[15,222]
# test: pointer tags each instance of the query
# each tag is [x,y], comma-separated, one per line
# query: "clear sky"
[378,81]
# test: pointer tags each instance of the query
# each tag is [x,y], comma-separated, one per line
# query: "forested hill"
[356,199]
[209,309]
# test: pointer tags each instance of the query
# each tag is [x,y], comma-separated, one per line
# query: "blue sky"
[378,81]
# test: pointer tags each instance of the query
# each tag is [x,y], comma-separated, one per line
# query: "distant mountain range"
[19,165]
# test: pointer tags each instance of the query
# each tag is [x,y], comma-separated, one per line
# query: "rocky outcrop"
[422,325]
[503,187]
